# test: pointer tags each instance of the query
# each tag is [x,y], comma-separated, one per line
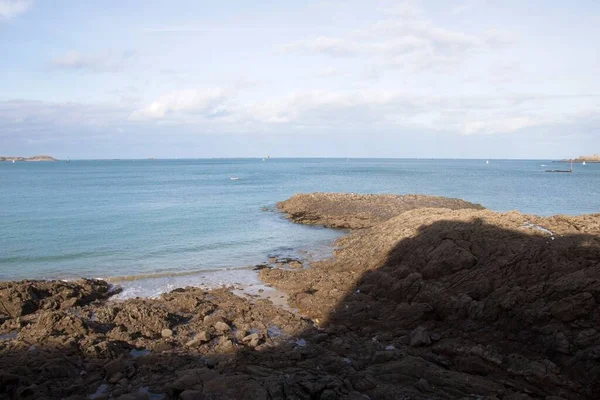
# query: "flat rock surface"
[356,211]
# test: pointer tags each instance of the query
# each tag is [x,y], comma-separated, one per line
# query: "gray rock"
[422,385]
[561,343]
[166,333]
[420,337]
[191,395]
[114,367]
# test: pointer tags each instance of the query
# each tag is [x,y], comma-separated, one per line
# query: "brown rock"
[222,327]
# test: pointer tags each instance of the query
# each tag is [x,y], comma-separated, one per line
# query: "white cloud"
[404,38]
[316,111]
[325,45]
[94,62]
[12,8]
[327,72]
[466,6]
[206,102]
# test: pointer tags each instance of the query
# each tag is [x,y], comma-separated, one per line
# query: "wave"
[170,274]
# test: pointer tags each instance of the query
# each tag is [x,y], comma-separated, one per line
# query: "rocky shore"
[356,211]
[427,298]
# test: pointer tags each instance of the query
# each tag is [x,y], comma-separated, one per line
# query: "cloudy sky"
[367,78]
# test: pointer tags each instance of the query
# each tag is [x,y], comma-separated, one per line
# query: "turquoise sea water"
[126,217]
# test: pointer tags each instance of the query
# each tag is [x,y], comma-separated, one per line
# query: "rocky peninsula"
[426,298]
[587,159]
[33,158]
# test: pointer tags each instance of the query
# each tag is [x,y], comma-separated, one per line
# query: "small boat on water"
[583,163]
[13,161]
[487,161]
[234,178]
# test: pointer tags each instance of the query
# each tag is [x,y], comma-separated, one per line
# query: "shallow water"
[144,217]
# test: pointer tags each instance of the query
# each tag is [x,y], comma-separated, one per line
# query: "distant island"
[587,159]
[34,158]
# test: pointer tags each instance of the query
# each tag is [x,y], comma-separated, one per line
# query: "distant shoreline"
[41,158]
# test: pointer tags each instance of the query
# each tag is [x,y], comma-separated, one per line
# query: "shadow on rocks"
[459,310]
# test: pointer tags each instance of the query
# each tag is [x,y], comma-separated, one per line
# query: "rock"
[352,211]
[114,367]
[222,327]
[133,396]
[328,394]
[420,337]
[252,340]
[191,395]
[26,297]
[115,378]
[200,338]
[363,382]
[422,385]
[166,333]
[561,343]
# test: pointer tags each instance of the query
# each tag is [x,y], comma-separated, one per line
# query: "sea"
[150,226]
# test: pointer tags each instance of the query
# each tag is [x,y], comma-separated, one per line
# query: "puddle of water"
[8,336]
[151,396]
[273,331]
[135,353]
[99,392]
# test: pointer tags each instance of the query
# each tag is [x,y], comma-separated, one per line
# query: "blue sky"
[135,79]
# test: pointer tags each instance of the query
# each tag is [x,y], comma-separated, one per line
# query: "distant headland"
[588,159]
[34,158]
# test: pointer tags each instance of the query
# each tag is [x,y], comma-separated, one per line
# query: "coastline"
[432,302]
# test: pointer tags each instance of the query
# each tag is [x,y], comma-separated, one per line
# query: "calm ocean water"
[124,218]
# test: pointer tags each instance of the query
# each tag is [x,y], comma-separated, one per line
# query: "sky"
[368,78]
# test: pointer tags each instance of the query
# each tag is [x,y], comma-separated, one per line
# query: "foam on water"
[155,286]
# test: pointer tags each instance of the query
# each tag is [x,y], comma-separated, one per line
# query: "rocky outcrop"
[477,292]
[429,304]
[21,298]
[356,211]
[34,158]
